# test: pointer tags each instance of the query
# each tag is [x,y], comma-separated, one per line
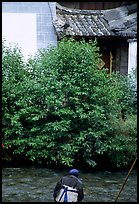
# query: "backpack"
[67,194]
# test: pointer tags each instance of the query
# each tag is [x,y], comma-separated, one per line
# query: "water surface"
[37,184]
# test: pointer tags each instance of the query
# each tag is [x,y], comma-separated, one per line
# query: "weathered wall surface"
[41,23]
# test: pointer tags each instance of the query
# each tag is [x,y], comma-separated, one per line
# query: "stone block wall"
[45,13]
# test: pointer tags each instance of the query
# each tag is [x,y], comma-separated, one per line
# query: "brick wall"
[45,12]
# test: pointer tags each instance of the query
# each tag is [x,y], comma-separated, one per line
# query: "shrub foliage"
[59,108]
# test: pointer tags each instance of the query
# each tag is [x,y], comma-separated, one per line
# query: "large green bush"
[59,108]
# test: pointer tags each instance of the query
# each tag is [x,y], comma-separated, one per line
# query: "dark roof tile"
[101,23]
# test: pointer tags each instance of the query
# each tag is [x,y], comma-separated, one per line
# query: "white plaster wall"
[30,24]
[132,55]
[20,29]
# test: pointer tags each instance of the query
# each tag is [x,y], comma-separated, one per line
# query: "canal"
[31,184]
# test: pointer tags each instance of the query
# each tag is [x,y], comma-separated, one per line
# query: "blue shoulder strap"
[65,196]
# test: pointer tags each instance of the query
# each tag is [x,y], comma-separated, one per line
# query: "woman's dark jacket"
[71,181]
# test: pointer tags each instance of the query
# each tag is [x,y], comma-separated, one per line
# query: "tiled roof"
[121,21]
